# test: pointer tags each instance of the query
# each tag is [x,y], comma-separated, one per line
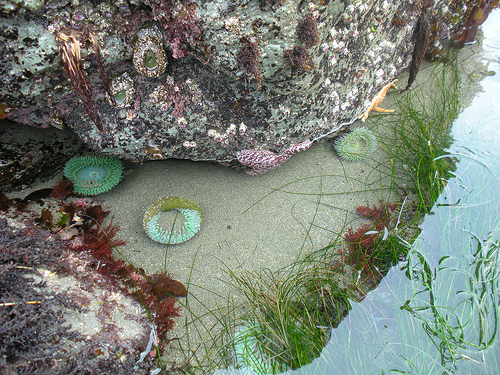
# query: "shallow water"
[377,335]
[380,337]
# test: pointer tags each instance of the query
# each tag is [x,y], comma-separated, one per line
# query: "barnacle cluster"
[186,208]
[150,58]
[122,89]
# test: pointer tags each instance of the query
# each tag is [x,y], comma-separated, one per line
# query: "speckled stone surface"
[29,155]
[230,84]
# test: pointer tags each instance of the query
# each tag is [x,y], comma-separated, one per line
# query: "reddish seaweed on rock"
[476,14]
[66,238]
[366,251]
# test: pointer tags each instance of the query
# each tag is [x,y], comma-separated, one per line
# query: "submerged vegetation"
[285,319]
[280,320]
[419,135]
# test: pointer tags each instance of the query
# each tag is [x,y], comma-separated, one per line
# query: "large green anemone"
[92,175]
[357,145]
[254,351]
[188,209]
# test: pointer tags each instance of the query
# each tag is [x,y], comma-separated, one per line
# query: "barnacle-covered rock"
[150,58]
[215,77]
[122,89]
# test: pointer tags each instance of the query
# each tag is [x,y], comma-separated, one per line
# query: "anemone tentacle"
[357,145]
[92,175]
[188,209]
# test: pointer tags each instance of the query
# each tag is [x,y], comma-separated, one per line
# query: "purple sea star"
[261,161]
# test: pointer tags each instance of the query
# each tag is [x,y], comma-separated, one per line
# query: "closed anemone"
[357,145]
[149,57]
[93,175]
[187,213]
[122,89]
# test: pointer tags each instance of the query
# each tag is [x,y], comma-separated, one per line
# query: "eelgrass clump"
[467,318]
[290,314]
[420,135]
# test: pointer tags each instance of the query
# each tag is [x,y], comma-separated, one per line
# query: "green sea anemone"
[188,209]
[357,145]
[122,89]
[149,56]
[253,350]
[93,175]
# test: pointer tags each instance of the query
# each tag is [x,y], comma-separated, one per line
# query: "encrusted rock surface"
[29,155]
[251,75]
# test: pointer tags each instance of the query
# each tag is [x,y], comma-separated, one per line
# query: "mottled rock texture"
[238,75]
[29,155]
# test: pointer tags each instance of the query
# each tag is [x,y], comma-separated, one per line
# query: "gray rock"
[29,155]
[236,76]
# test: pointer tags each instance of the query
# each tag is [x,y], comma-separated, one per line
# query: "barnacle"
[149,57]
[93,175]
[357,145]
[122,89]
[188,209]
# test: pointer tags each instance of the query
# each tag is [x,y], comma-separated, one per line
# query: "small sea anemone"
[93,175]
[149,57]
[123,90]
[253,350]
[357,145]
[188,209]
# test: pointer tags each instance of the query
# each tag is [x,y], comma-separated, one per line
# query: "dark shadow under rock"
[29,154]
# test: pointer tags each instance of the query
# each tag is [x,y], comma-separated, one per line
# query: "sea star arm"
[378,109]
[377,100]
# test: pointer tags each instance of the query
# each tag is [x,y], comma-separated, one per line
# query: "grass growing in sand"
[276,320]
[416,137]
